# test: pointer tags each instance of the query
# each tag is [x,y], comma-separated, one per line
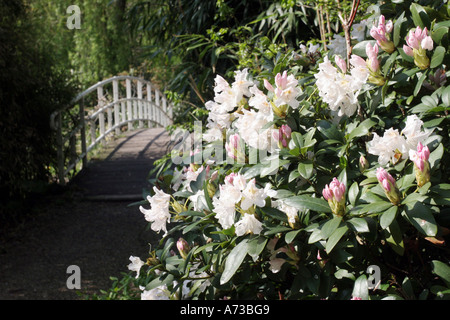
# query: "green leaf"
[362,129]
[305,169]
[361,288]
[408,289]
[359,224]
[442,270]
[438,57]
[330,226]
[395,238]
[420,16]
[234,261]
[420,82]
[397,33]
[376,207]
[388,216]
[353,193]
[303,202]
[290,236]
[256,246]
[446,96]
[335,237]
[297,138]
[421,217]
[435,156]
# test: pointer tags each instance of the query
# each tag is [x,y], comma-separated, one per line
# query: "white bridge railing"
[122,103]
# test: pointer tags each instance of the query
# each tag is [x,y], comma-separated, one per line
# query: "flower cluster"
[417,42]
[335,195]
[339,89]
[381,33]
[238,195]
[249,118]
[395,145]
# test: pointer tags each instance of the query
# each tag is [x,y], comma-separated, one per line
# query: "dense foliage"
[316,177]
[31,87]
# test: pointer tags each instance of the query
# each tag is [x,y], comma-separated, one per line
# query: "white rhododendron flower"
[237,192]
[393,145]
[159,293]
[413,132]
[387,146]
[135,265]
[250,126]
[158,214]
[339,89]
[248,224]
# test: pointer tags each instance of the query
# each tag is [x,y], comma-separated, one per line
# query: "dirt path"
[68,229]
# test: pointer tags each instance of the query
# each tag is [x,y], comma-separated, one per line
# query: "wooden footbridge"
[109,137]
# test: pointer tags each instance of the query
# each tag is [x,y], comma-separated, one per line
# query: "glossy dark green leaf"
[442,270]
[420,16]
[361,288]
[234,261]
[305,169]
[304,202]
[388,216]
[358,224]
[335,237]
[438,57]
[421,217]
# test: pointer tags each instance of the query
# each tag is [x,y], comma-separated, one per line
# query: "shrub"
[316,178]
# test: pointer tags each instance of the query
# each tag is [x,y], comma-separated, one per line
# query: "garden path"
[91,223]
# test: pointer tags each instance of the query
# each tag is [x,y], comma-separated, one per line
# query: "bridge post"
[101,115]
[129,107]
[158,103]
[140,111]
[116,105]
[149,105]
[83,134]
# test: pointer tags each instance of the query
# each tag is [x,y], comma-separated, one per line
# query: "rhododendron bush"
[319,176]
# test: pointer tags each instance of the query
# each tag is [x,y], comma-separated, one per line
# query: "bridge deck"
[121,170]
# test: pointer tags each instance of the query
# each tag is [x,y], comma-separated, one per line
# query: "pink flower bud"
[408,50]
[389,185]
[341,63]
[372,54]
[268,85]
[183,247]
[327,193]
[334,194]
[286,130]
[381,32]
[281,79]
[233,145]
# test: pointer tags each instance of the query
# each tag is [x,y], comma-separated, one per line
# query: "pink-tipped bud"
[363,164]
[268,86]
[183,248]
[381,34]
[334,194]
[389,185]
[282,135]
[341,63]
[281,79]
[232,146]
[421,164]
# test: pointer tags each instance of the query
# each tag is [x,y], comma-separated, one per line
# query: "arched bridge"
[124,116]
